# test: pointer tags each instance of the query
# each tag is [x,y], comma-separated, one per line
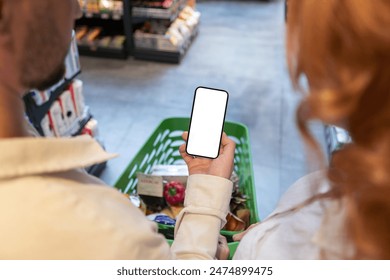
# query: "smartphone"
[207,121]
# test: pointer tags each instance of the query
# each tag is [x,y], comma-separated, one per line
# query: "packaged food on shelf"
[105,42]
[90,38]
[89,6]
[94,7]
[56,119]
[66,113]
[40,97]
[157,35]
[91,128]
[81,31]
[106,6]
[190,16]
[165,9]
[68,108]
[117,9]
[94,38]
[76,90]
[72,60]
[46,128]
[117,42]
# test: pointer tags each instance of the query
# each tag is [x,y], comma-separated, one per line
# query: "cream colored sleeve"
[198,225]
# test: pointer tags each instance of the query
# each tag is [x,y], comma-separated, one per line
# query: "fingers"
[229,146]
[239,236]
[182,149]
[227,142]
[222,248]
[222,240]
[185,135]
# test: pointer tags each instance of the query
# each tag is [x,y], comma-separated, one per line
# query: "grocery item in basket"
[136,201]
[150,189]
[172,128]
[174,193]
[234,223]
[170,170]
[235,180]
[165,220]
[244,215]
[162,219]
[171,173]
[238,201]
[172,210]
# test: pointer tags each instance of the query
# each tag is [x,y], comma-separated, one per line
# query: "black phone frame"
[223,123]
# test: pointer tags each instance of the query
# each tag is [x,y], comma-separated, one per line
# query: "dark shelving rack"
[125,25]
[36,113]
[142,14]
[103,52]
[112,24]
[163,56]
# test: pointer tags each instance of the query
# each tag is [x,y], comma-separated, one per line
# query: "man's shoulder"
[78,218]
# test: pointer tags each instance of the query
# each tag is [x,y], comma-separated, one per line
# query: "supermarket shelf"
[103,52]
[165,56]
[79,125]
[113,23]
[105,16]
[158,13]
[160,56]
[37,113]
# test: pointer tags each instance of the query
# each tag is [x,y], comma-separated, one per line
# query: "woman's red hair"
[342,47]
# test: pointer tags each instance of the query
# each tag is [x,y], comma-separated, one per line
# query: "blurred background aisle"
[239,48]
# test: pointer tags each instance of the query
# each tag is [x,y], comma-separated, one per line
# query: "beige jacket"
[314,231]
[50,209]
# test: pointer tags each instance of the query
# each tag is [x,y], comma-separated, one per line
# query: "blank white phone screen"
[207,119]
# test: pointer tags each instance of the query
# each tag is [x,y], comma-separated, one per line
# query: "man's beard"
[44,84]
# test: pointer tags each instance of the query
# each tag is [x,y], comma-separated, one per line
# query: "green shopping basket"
[162,147]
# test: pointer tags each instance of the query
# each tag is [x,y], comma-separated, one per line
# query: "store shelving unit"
[112,23]
[145,46]
[36,112]
[158,47]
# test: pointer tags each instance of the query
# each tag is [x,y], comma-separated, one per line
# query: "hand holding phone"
[207,121]
[208,150]
[221,166]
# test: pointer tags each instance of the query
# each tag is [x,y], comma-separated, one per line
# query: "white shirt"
[314,231]
[51,209]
